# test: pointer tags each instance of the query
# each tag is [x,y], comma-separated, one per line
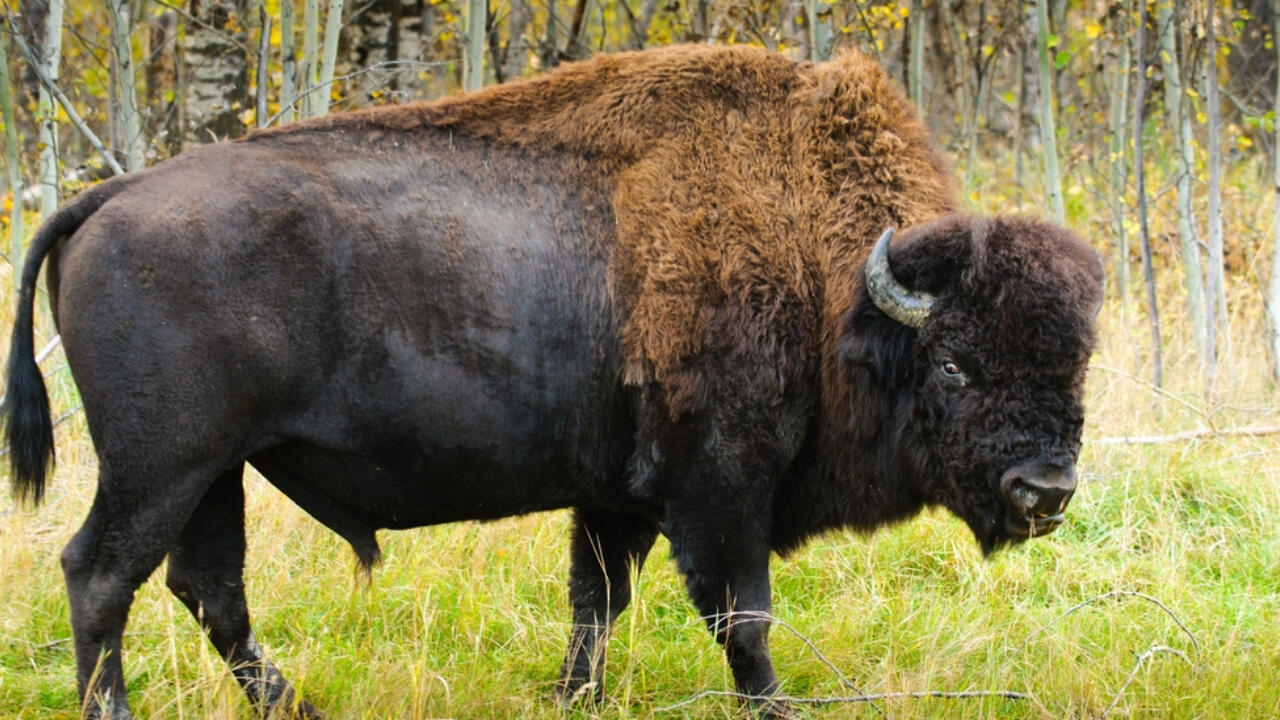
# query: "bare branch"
[836,700]
[1151,652]
[376,66]
[1117,594]
[62,99]
[1256,431]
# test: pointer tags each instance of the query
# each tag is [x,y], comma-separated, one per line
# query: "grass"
[469,620]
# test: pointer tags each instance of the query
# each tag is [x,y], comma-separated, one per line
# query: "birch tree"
[1180,120]
[1273,292]
[49,52]
[473,58]
[215,66]
[1139,179]
[328,59]
[128,116]
[1216,315]
[14,158]
[1119,91]
[819,30]
[288,63]
[1048,137]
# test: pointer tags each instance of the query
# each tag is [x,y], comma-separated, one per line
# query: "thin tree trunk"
[1049,141]
[1216,316]
[329,59]
[164,109]
[1020,114]
[640,24]
[13,151]
[50,52]
[819,30]
[1119,92]
[264,54]
[1180,120]
[1148,272]
[1273,293]
[915,61]
[515,54]
[288,63]
[309,67]
[473,57]
[129,118]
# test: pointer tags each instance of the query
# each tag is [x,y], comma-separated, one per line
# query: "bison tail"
[25,406]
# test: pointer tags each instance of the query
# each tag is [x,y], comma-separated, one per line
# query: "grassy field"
[469,620]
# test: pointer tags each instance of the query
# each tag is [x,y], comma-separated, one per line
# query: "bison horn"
[907,307]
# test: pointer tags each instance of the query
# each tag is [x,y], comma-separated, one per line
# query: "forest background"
[1148,127]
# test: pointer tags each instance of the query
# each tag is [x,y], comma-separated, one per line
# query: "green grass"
[469,620]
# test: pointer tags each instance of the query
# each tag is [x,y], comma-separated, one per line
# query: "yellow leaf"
[1092,30]
[1202,118]
[1243,142]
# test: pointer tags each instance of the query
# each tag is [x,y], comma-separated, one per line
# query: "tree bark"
[128,117]
[14,157]
[1049,140]
[1119,92]
[1216,315]
[310,60]
[1273,292]
[1139,179]
[473,58]
[215,82]
[515,53]
[915,60]
[328,59]
[819,12]
[1180,120]
[49,53]
[288,63]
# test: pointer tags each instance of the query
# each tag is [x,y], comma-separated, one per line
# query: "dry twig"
[1151,652]
[1255,431]
[1117,594]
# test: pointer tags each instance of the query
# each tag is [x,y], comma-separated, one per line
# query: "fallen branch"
[64,102]
[1151,652]
[871,697]
[1117,594]
[1255,431]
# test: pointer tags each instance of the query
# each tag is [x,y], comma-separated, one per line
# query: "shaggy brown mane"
[747,189]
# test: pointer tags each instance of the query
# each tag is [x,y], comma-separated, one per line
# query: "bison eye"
[952,370]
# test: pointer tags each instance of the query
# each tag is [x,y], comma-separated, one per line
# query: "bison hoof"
[574,694]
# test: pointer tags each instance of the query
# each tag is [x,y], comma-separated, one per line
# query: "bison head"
[974,333]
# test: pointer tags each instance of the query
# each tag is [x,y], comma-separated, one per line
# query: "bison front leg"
[605,547]
[723,554]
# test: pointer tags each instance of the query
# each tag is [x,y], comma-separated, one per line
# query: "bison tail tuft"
[28,425]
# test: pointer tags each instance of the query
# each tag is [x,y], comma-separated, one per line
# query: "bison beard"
[634,287]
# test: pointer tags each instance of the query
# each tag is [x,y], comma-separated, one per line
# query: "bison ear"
[877,347]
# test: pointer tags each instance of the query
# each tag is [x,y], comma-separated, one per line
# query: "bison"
[646,286]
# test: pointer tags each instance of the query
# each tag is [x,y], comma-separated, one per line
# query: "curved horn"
[907,307]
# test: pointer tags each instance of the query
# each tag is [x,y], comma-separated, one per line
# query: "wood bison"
[643,287]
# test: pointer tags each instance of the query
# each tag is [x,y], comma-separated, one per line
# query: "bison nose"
[1038,489]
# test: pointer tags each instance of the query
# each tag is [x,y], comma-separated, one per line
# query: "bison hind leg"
[605,547]
[206,570]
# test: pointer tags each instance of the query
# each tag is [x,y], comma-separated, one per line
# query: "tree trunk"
[1119,92]
[128,117]
[310,60]
[1273,294]
[515,54]
[1180,120]
[915,60]
[164,109]
[50,52]
[1139,179]
[215,83]
[1216,315]
[1049,141]
[288,63]
[819,12]
[14,157]
[328,59]
[473,57]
